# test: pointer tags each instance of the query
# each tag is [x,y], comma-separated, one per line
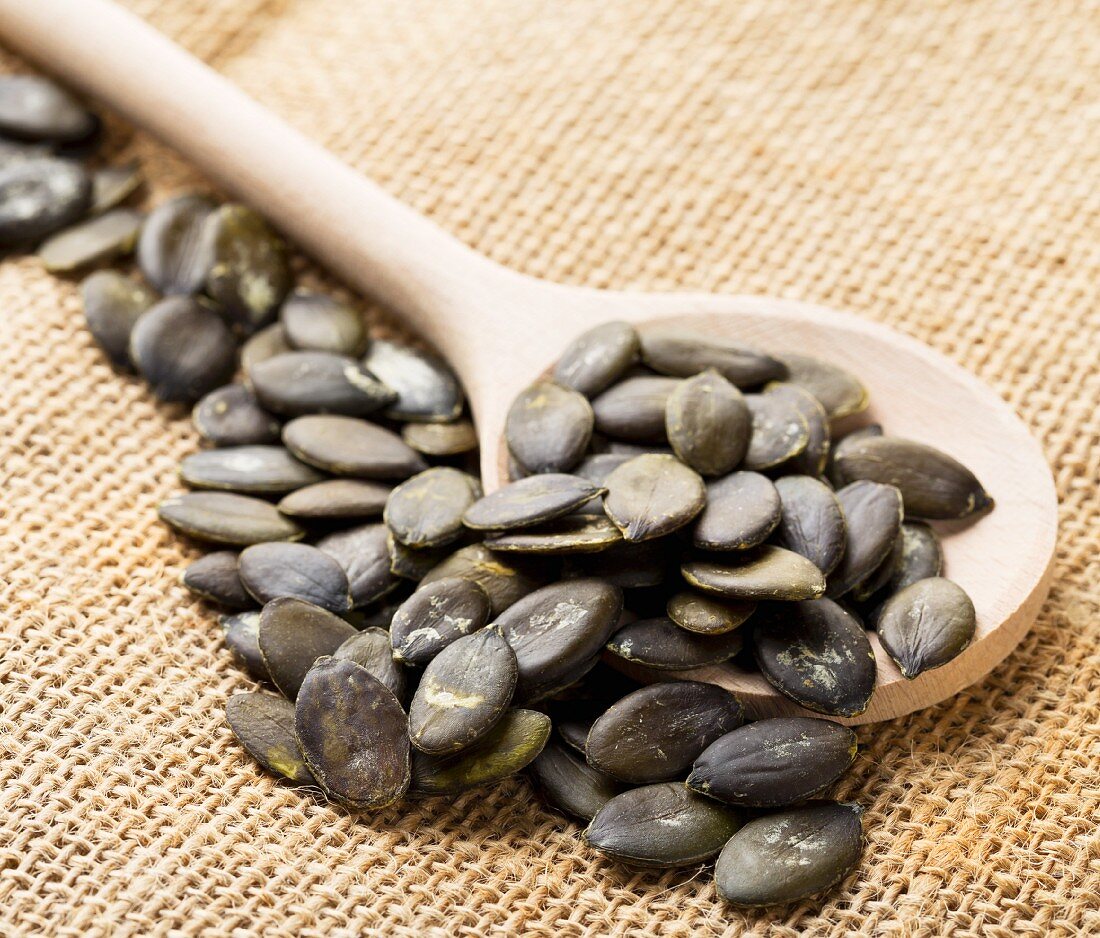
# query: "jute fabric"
[932,165]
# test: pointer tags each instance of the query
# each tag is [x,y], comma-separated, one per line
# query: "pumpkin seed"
[252,470]
[705,615]
[34,108]
[790,855]
[880,576]
[353,735]
[273,571]
[436,615]
[337,498]
[634,409]
[774,763]
[225,518]
[655,733]
[653,495]
[742,510]
[411,563]
[441,439]
[98,239]
[293,634]
[849,440]
[39,197]
[364,554]
[172,252]
[708,423]
[683,355]
[231,416]
[662,645]
[926,625]
[113,185]
[427,390]
[548,427]
[817,654]
[313,322]
[350,447]
[530,501]
[242,637]
[921,556]
[463,693]
[264,724]
[872,514]
[215,578]
[662,825]
[112,305]
[779,431]
[570,784]
[572,535]
[267,343]
[503,580]
[370,649]
[630,565]
[597,357]
[840,393]
[428,509]
[297,383]
[764,573]
[813,459]
[811,521]
[574,733]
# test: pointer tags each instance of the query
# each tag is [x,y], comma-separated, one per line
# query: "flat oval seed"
[215,578]
[548,427]
[297,383]
[817,654]
[231,416]
[872,514]
[182,349]
[337,499]
[570,784]
[436,615]
[113,185]
[684,355]
[427,390]
[364,554]
[708,423]
[272,571]
[653,495]
[463,693]
[655,733]
[264,724]
[868,587]
[441,439]
[705,615]
[813,459]
[530,501]
[353,734]
[779,431]
[597,357]
[662,645]
[94,241]
[427,510]
[349,447]
[926,624]
[293,634]
[811,521]
[573,535]
[113,304]
[774,763]
[932,484]
[662,825]
[840,393]
[267,343]
[921,556]
[511,745]
[764,573]
[242,637]
[172,252]
[790,855]
[34,108]
[504,581]
[313,322]
[225,518]
[634,409]
[253,470]
[370,649]
[40,196]
[742,510]
[411,563]
[557,632]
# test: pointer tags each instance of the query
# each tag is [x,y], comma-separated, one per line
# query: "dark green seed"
[264,724]
[337,499]
[530,501]
[242,638]
[183,349]
[774,763]
[683,355]
[742,510]
[634,409]
[463,693]
[872,514]
[926,624]
[353,734]
[708,423]
[272,571]
[427,390]
[252,470]
[655,733]
[881,575]
[596,468]
[364,554]
[811,521]
[504,581]
[662,645]
[839,392]
[662,825]
[652,496]
[921,556]
[790,855]
[441,439]
[225,518]
[779,431]
[297,383]
[570,784]
[428,509]
[231,416]
[113,185]
[584,534]
[705,615]
[813,459]
[39,197]
[34,108]
[764,573]
[313,322]
[509,747]
[215,578]
[436,615]
[350,447]
[548,428]
[293,634]
[411,563]
[597,357]
[370,649]
[267,343]
[817,654]
[113,304]
[172,252]
[94,241]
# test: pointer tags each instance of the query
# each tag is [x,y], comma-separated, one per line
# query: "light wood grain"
[500,328]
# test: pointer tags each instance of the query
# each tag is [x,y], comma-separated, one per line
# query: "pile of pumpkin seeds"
[675,503]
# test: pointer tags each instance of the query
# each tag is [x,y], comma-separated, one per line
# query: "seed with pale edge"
[337,498]
[548,427]
[811,521]
[597,357]
[292,635]
[298,383]
[251,470]
[708,423]
[113,185]
[662,645]
[742,510]
[428,509]
[172,252]
[530,501]
[231,416]
[113,303]
[242,637]
[226,518]
[840,392]
[264,724]
[573,535]
[653,495]
[215,577]
[441,439]
[779,431]
[869,586]
[93,241]
[921,556]
[347,446]
[370,649]
[313,322]
[634,409]
[426,388]
[271,571]
[684,355]
[926,624]
[872,515]
[764,573]
[570,784]
[364,554]
[39,197]
[813,459]
[706,615]
[35,108]
[436,615]
[504,580]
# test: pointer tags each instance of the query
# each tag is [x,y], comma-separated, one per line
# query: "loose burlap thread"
[932,165]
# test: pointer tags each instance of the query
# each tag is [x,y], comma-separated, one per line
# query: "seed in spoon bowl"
[707,615]
[708,424]
[779,431]
[634,409]
[548,427]
[653,495]
[576,534]
[682,355]
[921,556]
[838,391]
[662,645]
[926,624]
[597,358]
[765,573]
[811,521]
[441,439]
[741,511]
[872,515]
[813,459]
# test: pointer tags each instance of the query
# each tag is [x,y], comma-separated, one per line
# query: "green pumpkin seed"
[926,625]
[662,826]
[548,428]
[215,578]
[811,521]
[814,458]
[113,304]
[411,563]
[817,654]
[708,423]
[94,241]
[573,535]
[273,571]
[252,470]
[427,390]
[225,518]
[655,733]
[172,252]
[662,645]
[242,637]
[557,633]
[264,724]
[683,355]
[436,615]
[298,383]
[441,439]
[292,635]
[34,108]
[921,556]
[231,416]
[872,514]
[463,693]
[113,185]
[530,501]
[364,554]
[313,322]
[504,581]
[790,855]
[634,409]
[840,393]
[774,763]
[932,484]
[742,510]
[764,573]
[779,431]
[652,496]
[268,343]
[39,197]
[349,447]
[868,587]
[353,734]
[597,357]
[428,509]
[337,499]
[183,349]
[512,745]
[705,615]
[370,649]
[570,784]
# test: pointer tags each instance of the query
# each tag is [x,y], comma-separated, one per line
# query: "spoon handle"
[379,245]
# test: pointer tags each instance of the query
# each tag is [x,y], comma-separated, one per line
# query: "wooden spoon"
[500,329]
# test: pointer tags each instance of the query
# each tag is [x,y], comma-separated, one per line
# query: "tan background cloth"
[933,165]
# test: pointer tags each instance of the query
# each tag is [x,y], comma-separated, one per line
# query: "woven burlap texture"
[932,165]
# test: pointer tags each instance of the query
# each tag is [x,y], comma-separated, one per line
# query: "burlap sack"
[930,165]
